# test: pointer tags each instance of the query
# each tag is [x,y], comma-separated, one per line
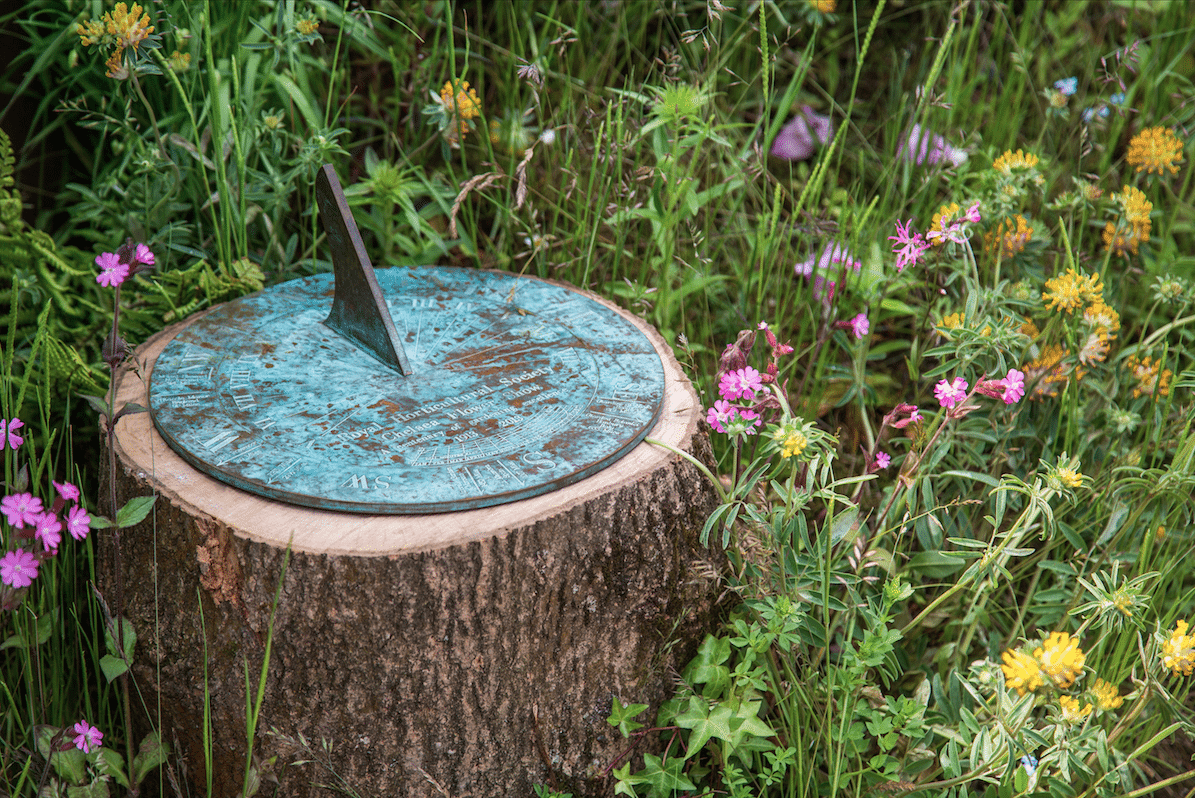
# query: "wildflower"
[1009,238]
[87,737]
[950,394]
[1060,657]
[1071,712]
[1117,98]
[1136,207]
[1029,762]
[112,271]
[908,249]
[740,384]
[1101,317]
[949,224]
[923,146]
[548,137]
[1021,672]
[1011,162]
[797,140]
[742,422]
[882,460]
[860,326]
[48,531]
[902,416]
[21,509]
[67,491]
[143,255]
[1049,370]
[791,443]
[1095,348]
[307,26]
[8,433]
[18,569]
[461,100]
[179,61]
[1067,86]
[824,6]
[1011,388]
[1150,376]
[972,214]
[1069,291]
[1068,477]
[78,522]
[718,415]
[835,259]
[1155,148]
[1178,651]
[1107,696]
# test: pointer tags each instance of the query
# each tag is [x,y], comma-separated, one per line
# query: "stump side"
[472,653]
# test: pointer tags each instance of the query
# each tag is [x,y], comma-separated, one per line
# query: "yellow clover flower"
[1107,696]
[1071,712]
[1021,672]
[1010,160]
[1072,290]
[1155,149]
[1060,657]
[1178,652]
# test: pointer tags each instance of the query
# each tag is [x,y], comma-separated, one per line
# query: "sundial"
[405,390]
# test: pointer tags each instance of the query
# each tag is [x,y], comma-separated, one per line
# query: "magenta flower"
[908,248]
[1014,387]
[18,569]
[742,422]
[882,460]
[112,271]
[950,394]
[834,260]
[8,433]
[87,737]
[719,415]
[903,415]
[143,255]
[973,213]
[860,326]
[78,522]
[67,491]
[923,146]
[797,139]
[21,509]
[48,531]
[740,384]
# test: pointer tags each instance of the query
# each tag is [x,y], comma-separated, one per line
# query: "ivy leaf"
[620,716]
[706,723]
[665,779]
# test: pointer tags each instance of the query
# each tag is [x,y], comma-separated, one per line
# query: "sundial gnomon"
[440,389]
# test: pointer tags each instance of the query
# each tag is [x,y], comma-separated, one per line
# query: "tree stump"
[473,653]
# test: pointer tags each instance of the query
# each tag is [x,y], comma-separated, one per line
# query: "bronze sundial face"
[440,389]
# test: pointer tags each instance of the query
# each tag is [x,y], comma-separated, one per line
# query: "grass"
[888,614]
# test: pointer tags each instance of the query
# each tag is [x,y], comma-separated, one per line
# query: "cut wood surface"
[467,653]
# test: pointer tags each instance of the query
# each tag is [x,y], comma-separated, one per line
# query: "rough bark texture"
[469,654]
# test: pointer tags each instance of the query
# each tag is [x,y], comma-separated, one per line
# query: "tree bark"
[464,654]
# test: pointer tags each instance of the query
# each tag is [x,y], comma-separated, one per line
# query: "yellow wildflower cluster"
[793,444]
[1107,696]
[1071,712]
[1155,149]
[1009,238]
[1021,672]
[1124,236]
[1150,376]
[460,101]
[1048,371]
[1178,651]
[1014,161]
[824,6]
[123,27]
[1069,291]
[1059,658]
[307,26]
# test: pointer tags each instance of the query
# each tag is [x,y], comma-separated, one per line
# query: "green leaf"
[96,789]
[705,723]
[109,762]
[152,753]
[112,667]
[70,764]
[665,779]
[621,715]
[134,511]
[300,99]
[935,564]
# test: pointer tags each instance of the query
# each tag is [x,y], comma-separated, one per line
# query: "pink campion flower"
[18,569]
[860,326]
[143,255]
[1014,387]
[78,522]
[8,433]
[740,384]
[797,140]
[67,491]
[834,261]
[925,147]
[908,249]
[87,737]
[950,394]
[112,271]
[973,213]
[719,415]
[742,422]
[48,529]
[882,460]
[902,416]
[21,509]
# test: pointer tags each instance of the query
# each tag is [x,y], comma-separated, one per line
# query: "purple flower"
[112,271]
[796,140]
[67,491]
[882,460]
[923,146]
[18,569]
[78,522]
[973,213]
[740,384]
[950,394]
[908,248]
[833,261]
[143,255]
[1014,387]
[87,737]
[860,326]
[8,433]
[21,509]
[48,531]
[719,415]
